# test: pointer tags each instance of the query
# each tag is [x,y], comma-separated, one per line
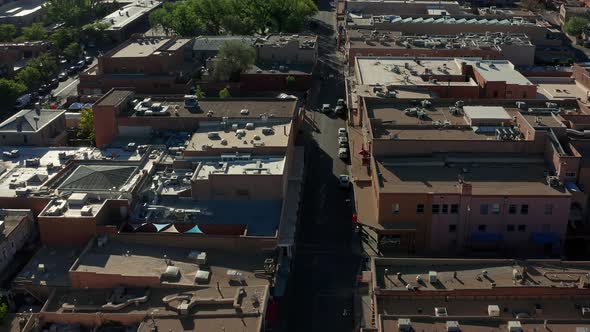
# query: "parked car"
[23,101]
[344,181]
[62,76]
[343,153]
[72,70]
[80,64]
[326,108]
[343,141]
[88,59]
[54,83]
[43,89]
[342,132]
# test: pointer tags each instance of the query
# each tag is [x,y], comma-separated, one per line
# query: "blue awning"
[545,238]
[195,230]
[160,227]
[486,237]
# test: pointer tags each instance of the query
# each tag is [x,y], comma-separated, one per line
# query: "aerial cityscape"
[294,165]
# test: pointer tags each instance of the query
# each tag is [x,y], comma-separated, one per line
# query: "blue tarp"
[486,237]
[195,230]
[572,187]
[545,238]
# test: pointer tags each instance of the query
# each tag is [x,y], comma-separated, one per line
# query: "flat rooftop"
[258,137]
[145,47]
[253,166]
[218,108]
[252,217]
[406,71]
[57,262]
[281,40]
[137,260]
[470,275]
[208,307]
[488,175]
[486,325]
[130,13]
[11,222]
[498,71]
[32,167]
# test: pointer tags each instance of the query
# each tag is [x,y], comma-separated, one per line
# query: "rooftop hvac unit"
[440,312]
[493,311]
[433,277]
[250,126]
[171,272]
[86,211]
[586,311]
[453,326]
[514,326]
[404,324]
[244,111]
[41,268]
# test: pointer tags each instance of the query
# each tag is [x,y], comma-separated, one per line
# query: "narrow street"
[327,252]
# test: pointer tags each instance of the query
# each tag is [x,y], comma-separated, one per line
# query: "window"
[524,209]
[452,228]
[546,228]
[420,208]
[445,208]
[570,174]
[512,209]
[395,209]
[242,192]
[435,208]
[522,228]
[495,94]
[482,228]
[524,94]
[510,228]
[495,208]
[483,209]
[454,208]
[548,209]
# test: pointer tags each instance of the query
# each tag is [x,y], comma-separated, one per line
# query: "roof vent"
[404,324]
[453,326]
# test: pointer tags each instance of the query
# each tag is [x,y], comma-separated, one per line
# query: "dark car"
[54,83]
[72,70]
[88,59]
[62,76]
[81,64]
[43,89]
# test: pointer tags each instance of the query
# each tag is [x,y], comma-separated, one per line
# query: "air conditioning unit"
[404,324]
[453,326]
[494,310]
[440,312]
[514,326]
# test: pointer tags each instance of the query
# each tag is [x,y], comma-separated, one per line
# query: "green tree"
[97,32]
[290,81]
[30,76]
[46,65]
[73,12]
[199,93]
[34,32]
[10,90]
[575,25]
[86,125]
[7,32]
[233,58]
[224,93]
[3,309]
[64,36]
[73,51]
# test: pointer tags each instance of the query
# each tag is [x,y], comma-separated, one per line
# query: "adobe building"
[149,64]
[444,77]
[34,127]
[129,19]
[444,177]
[539,32]
[515,48]
[430,294]
[14,56]
[401,7]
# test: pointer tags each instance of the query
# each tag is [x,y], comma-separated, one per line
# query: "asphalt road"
[327,252]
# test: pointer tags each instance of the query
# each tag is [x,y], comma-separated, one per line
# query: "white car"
[343,181]
[341,132]
[343,141]
[343,153]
